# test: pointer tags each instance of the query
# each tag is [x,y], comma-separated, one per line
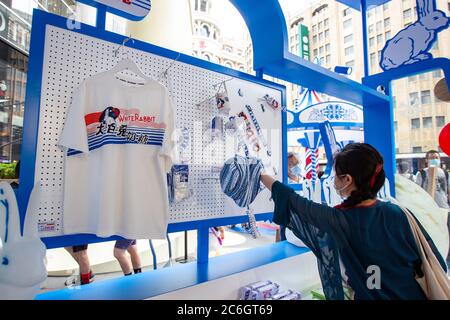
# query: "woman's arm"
[267,181]
[290,205]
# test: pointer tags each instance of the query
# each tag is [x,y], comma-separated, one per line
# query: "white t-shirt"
[119,140]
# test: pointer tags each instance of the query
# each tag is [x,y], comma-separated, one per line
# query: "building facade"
[335,39]
[207,40]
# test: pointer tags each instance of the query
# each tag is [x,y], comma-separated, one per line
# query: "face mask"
[296,170]
[434,163]
[339,191]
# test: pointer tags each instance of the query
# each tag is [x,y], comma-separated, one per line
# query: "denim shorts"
[124,243]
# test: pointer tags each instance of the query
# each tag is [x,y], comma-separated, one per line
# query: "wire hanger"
[128,64]
[165,72]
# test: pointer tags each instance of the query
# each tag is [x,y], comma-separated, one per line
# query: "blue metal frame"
[102,9]
[31,121]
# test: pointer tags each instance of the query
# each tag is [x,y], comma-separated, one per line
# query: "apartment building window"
[328,59]
[371,42]
[407,14]
[347,24]
[369,13]
[327,33]
[379,39]
[379,55]
[346,12]
[385,6]
[350,63]
[425,97]
[387,22]
[373,60]
[325,23]
[349,51]
[417,149]
[348,38]
[413,99]
[322,61]
[321,36]
[314,39]
[327,47]
[415,123]
[423,76]
[448,6]
[315,52]
[412,78]
[395,125]
[427,122]
[371,28]
[440,121]
[437,73]
[314,28]
[378,26]
[321,50]
[387,35]
[394,102]
[320,25]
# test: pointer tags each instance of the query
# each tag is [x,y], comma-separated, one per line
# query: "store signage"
[333,111]
[303,41]
[129,9]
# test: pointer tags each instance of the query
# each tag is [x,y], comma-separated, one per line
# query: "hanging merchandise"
[258,129]
[271,102]
[251,136]
[183,140]
[240,180]
[217,127]
[178,183]
[118,150]
[222,100]
[233,127]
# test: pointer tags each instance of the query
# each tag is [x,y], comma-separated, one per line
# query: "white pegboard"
[70,58]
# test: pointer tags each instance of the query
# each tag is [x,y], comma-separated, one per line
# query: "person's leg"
[135,258]
[81,256]
[120,254]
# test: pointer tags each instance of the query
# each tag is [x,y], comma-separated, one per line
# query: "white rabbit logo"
[412,44]
[22,257]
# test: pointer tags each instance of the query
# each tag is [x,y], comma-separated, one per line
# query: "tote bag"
[434,283]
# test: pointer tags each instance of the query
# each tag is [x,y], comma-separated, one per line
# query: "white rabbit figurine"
[22,258]
[412,44]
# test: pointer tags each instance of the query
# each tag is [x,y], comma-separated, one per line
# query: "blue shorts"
[124,244]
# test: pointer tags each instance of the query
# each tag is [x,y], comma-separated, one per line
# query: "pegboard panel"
[69,59]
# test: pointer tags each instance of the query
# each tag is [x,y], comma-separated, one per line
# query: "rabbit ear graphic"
[9,214]
[31,219]
[421,8]
[430,6]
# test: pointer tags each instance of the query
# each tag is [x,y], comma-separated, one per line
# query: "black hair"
[360,161]
[431,152]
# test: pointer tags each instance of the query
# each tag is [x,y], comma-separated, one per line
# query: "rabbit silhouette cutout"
[413,43]
[22,257]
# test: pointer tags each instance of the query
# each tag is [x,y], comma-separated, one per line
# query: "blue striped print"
[144,6]
[99,137]
[102,141]
[123,142]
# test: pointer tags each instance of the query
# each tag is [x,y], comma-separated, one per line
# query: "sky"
[232,23]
